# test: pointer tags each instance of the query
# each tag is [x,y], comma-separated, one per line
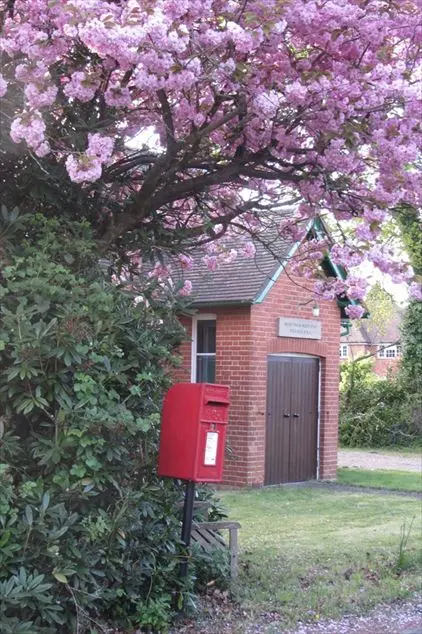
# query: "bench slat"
[199,538]
[208,540]
[218,525]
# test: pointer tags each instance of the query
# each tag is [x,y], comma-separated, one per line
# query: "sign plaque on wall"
[299,328]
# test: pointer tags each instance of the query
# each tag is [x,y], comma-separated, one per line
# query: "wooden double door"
[292,419]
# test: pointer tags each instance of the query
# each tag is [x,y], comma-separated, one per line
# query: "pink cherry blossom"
[81,86]
[186,288]
[249,250]
[29,127]
[160,271]
[315,102]
[100,147]
[354,311]
[3,86]
[84,169]
[186,262]
[117,96]
[356,288]
[415,291]
[40,97]
[211,262]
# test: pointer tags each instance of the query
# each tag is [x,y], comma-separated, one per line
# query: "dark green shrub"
[211,567]
[411,338]
[88,534]
[375,412]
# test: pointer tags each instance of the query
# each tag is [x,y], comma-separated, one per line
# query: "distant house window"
[344,351]
[204,350]
[386,351]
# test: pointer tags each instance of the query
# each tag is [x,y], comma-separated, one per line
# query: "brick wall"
[245,337]
[182,374]
[381,367]
[288,298]
[233,368]
[233,355]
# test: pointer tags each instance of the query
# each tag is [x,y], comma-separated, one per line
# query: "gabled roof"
[241,281]
[370,334]
[248,280]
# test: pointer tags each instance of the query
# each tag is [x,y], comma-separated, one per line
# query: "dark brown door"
[292,419]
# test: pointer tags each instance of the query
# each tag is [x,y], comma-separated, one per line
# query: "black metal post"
[187,523]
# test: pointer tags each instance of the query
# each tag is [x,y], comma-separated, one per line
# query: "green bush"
[211,568]
[375,412]
[88,533]
[411,337]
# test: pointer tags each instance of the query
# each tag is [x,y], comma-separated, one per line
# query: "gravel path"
[377,460]
[400,618]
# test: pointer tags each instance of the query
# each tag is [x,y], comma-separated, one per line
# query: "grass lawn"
[309,553]
[382,479]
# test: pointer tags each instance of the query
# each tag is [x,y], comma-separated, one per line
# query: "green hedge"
[377,412]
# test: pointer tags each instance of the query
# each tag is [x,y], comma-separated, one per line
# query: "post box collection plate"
[211,447]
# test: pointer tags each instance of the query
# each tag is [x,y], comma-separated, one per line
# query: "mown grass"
[307,553]
[382,479]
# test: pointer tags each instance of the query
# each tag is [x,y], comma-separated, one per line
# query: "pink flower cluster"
[81,86]
[337,128]
[186,288]
[186,262]
[3,86]
[88,166]
[415,291]
[354,311]
[30,127]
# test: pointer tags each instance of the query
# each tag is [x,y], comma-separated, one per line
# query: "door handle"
[286,415]
[295,415]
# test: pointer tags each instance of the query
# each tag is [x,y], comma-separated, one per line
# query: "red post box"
[193,432]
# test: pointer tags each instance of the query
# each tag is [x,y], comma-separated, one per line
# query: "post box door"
[212,433]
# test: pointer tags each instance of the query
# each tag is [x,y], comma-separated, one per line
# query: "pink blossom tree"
[236,105]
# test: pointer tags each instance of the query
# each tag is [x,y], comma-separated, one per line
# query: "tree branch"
[168,119]
[372,354]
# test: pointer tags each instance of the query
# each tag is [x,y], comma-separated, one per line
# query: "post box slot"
[221,403]
[214,414]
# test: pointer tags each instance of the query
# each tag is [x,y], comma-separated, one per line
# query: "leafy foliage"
[212,568]
[411,335]
[410,225]
[381,307]
[87,530]
[375,412]
[412,343]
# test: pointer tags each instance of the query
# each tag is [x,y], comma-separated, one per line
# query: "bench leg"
[233,552]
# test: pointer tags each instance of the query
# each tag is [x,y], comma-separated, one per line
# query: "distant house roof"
[370,334]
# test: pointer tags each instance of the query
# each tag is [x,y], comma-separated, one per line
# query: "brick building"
[254,329]
[380,345]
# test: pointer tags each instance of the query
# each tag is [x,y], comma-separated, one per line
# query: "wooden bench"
[208,536]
